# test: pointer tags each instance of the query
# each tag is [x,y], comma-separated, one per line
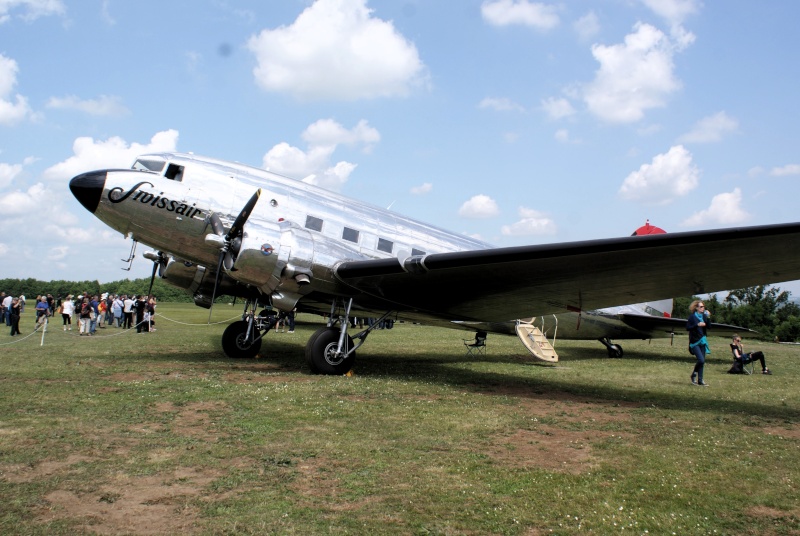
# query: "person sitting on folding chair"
[478,346]
[740,359]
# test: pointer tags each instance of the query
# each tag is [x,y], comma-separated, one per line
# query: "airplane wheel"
[321,353]
[615,350]
[234,344]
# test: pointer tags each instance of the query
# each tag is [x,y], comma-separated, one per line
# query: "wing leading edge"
[506,283]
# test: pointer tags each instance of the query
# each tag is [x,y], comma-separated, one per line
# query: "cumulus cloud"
[633,77]
[522,12]
[532,222]
[337,50]
[112,153]
[13,108]
[669,176]
[8,172]
[104,105]
[500,105]
[422,189]
[725,209]
[31,9]
[711,129]
[784,171]
[675,12]
[314,164]
[557,108]
[479,207]
[21,202]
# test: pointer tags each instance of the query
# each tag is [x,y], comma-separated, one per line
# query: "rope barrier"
[42,327]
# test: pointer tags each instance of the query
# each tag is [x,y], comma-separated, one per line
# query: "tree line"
[61,288]
[762,308]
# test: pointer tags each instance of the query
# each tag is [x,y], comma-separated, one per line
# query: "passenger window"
[385,245]
[315,224]
[350,235]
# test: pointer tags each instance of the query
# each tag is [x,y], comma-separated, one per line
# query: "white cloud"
[557,108]
[103,105]
[8,172]
[587,26]
[336,50]
[710,129]
[674,11]
[314,165]
[12,108]
[633,76]
[422,189]
[4,249]
[21,202]
[500,105]
[784,171]
[508,12]
[668,177]
[532,222]
[32,9]
[562,135]
[114,152]
[479,207]
[725,209]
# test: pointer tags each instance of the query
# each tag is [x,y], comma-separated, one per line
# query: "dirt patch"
[197,420]
[562,433]
[19,473]
[786,432]
[137,505]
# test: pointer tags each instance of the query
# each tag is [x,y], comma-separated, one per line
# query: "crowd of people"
[90,312]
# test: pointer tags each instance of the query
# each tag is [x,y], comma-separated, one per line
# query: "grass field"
[160,433]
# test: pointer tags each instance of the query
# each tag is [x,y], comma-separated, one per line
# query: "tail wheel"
[235,343]
[322,356]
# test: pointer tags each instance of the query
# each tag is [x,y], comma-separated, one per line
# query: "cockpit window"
[149,165]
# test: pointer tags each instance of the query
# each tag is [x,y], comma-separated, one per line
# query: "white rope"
[161,315]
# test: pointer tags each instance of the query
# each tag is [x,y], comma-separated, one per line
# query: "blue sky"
[516,121]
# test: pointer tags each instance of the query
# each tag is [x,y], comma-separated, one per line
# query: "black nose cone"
[87,188]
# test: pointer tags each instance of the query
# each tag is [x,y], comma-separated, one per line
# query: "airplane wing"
[505,283]
[657,326]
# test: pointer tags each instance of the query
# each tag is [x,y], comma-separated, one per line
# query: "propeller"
[159,265]
[229,243]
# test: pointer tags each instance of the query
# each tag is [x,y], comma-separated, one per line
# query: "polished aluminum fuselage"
[295,228]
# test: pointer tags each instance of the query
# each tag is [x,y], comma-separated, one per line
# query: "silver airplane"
[225,228]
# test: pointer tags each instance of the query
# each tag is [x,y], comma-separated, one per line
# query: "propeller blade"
[216,283]
[238,224]
[216,225]
[152,278]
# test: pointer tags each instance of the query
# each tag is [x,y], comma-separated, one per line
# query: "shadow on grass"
[287,356]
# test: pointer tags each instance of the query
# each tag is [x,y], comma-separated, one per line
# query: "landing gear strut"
[242,339]
[614,350]
[331,350]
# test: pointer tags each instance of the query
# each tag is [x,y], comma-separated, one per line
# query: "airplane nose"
[87,188]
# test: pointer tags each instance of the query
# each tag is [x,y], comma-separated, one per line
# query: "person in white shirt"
[127,310]
[67,309]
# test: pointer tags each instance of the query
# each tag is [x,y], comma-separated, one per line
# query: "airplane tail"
[660,307]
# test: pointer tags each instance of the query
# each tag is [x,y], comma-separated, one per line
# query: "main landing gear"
[614,350]
[330,350]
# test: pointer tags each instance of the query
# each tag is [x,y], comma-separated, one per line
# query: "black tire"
[320,353]
[615,351]
[234,344]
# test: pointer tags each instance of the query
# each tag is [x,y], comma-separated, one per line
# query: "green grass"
[160,433]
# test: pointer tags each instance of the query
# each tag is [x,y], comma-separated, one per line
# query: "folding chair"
[476,347]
